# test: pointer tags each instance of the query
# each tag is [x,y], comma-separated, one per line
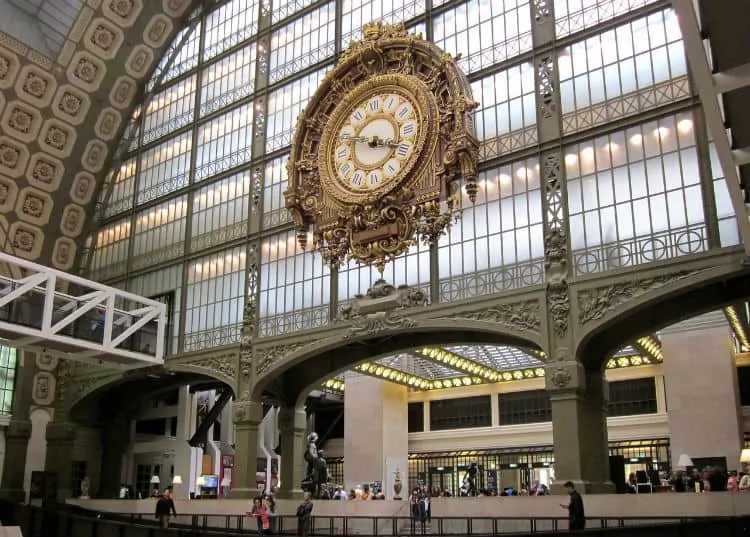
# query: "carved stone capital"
[247,413]
[60,432]
[567,375]
[18,430]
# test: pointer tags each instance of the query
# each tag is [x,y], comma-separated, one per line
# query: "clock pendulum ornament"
[381,152]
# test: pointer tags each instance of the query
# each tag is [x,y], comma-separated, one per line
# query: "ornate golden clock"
[381,152]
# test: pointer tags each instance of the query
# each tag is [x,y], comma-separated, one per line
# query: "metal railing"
[376,526]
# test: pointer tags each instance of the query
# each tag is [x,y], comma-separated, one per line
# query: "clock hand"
[380,142]
[372,142]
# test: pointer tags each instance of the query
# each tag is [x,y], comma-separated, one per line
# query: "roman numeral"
[403,150]
[374,105]
[408,128]
[374,178]
[357,179]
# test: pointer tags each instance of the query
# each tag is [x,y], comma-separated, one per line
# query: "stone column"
[115,443]
[293,440]
[579,428]
[376,443]
[247,418]
[60,438]
[185,429]
[703,405]
[18,432]
[14,466]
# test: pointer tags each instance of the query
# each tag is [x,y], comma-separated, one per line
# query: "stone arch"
[300,366]
[614,315]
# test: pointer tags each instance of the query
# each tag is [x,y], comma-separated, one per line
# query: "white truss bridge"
[55,313]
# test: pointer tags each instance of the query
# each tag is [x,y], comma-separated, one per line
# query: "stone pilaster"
[248,416]
[60,439]
[293,433]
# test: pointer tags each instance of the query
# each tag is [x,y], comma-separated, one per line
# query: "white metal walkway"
[46,310]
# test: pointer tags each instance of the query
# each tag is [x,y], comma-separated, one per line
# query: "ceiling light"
[685,126]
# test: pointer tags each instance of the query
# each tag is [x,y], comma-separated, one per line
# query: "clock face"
[375,141]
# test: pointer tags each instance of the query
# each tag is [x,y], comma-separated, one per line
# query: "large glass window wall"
[295,286]
[220,211]
[504,27]
[224,142]
[635,197]
[307,41]
[163,283]
[215,299]
[285,105]
[355,13]
[232,23]
[228,80]
[164,169]
[274,184]
[213,141]
[633,67]
[506,118]
[498,244]
[728,233]
[170,110]
[159,232]
[572,16]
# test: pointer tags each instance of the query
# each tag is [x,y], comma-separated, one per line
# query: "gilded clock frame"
[421,203]
[425,107]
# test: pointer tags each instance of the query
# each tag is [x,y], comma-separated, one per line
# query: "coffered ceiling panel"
[62,114]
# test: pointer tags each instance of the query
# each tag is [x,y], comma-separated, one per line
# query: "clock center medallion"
[370,154]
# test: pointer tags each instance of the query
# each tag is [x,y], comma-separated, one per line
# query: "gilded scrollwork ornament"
[384,151]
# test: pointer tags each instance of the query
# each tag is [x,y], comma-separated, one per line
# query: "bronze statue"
[317,469]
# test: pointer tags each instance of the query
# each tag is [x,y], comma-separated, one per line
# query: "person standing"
[304,514]
[260,513]
[165,507]
[576,516]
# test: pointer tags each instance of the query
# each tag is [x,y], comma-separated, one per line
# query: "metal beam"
[732,79]
[201,432]
[704,82]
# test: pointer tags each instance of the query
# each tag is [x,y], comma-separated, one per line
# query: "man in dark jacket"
[165,507]
[304,514]
[576,516]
